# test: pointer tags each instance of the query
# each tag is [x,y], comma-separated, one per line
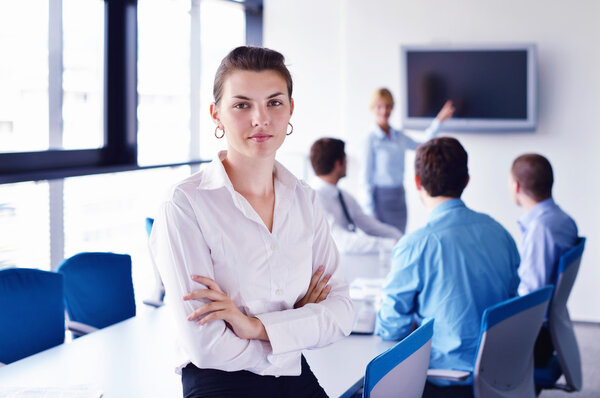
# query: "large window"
[77,106]
[24,76]
[82,79]
[218,37]
[176,66]
[49,78]
[164,81]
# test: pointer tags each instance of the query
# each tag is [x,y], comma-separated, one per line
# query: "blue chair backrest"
[559,321]
[568,266]
[98,288]
[504,361]
[32,313]
[149,223]
[401,371]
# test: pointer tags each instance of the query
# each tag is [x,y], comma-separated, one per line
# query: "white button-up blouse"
[209,229]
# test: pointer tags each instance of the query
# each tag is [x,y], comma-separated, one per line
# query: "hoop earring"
[291,131]
[222,135]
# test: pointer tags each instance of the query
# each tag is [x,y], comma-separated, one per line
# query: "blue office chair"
[503,365]
[32,313]
[98,290]
[159,287]
[401,370]
[566,359]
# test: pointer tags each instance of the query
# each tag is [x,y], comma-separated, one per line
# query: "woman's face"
[254,110]
[382,109]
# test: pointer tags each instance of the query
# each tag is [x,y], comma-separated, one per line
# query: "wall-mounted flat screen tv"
[492,87]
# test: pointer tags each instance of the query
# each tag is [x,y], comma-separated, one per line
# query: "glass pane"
[24,225]
[83,48]
[24,76]
[223,28]
[113,220]
[163,81]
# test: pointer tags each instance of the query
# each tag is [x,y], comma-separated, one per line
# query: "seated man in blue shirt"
[452,269]
[548,232]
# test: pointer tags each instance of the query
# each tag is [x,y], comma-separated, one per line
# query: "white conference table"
[135,358]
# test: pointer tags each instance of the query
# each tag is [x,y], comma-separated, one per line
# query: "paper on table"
[365,293]
[51,392]
[361,288]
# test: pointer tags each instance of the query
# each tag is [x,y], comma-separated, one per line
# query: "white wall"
[340,50]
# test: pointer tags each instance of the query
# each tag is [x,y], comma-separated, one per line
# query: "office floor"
[588,337]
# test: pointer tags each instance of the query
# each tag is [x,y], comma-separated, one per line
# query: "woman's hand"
[222,307]
[446,112]
[317,291]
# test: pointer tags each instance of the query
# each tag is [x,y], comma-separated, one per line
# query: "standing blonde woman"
[250,269]
[384,166]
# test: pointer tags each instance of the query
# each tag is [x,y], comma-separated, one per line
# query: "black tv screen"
[491,88]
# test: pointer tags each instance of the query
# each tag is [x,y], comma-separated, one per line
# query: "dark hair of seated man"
[324,153]
[534,174]
[441,165]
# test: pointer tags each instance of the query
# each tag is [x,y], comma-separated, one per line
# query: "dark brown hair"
[254,59]
[324,153]
[534,174]
[441,165]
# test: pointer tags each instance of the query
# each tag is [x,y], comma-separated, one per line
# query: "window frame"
[119,152]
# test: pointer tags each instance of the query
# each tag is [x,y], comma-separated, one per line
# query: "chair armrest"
[153,303]
[80,328]
[448,374]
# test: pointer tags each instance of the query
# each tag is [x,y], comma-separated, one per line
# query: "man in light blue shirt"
[452,269]
[548,232]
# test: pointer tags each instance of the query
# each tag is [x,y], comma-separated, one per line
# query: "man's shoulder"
[487,219]
[347,195]
[488,224]
[416,239]
[323,189]
[554,216]
[464,219]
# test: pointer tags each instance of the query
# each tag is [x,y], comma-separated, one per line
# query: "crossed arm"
[245,327]
[225,337]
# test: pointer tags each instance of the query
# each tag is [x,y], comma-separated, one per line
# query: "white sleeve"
[315,325]
[370,225]
[180,250]
[433,129]
[359,243]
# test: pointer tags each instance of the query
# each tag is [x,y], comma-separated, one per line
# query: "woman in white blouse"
[249,266]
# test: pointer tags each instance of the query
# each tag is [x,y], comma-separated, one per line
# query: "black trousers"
[199,383]
[544,349]
[433,391]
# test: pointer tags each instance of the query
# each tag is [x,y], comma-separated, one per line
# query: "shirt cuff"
[286,332]
[290,362]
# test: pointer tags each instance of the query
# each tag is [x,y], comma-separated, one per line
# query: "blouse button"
[279,292]
[273,246]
